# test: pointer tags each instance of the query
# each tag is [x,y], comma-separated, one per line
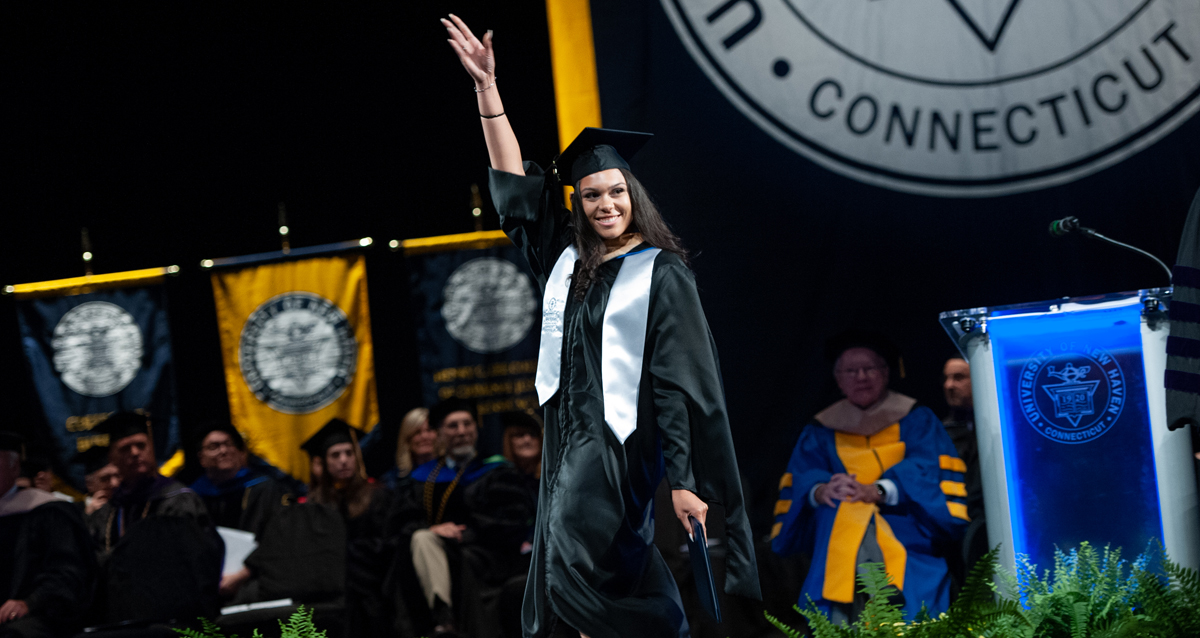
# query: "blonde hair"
[408,427]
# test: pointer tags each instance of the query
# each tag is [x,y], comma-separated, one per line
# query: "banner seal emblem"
[297,352]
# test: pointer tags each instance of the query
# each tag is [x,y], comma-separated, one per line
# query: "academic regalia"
[495,504]
[172,566]
[594,564]
[247,502]
[917,456]
[1182,377]
[371,541]
[46,561]
[154,495]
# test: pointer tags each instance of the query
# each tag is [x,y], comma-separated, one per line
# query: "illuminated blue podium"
[1070,417]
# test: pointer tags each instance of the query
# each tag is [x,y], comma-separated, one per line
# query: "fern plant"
[298,625]
[1088,594]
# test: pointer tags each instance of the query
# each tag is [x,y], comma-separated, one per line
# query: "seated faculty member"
[100,477]
[235,495]
[461,510]
[47,568]
[369,513]
[873,478]
[142,492]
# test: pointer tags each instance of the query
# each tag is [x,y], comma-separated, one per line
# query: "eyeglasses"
[870,371]
[216,447]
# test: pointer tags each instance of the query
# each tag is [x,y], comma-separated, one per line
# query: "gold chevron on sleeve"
[952,463]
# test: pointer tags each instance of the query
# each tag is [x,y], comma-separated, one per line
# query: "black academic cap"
[34,462]
[12,442]
[220,426]
[443,409]
[522,419]
[92,458]
[843,341]
[595,150]
[122,424]
[334,432]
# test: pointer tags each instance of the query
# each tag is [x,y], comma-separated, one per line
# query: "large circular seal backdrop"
[953,97]
[488,305]
[97,348]
[297,352]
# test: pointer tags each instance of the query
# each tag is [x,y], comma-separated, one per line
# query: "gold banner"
[296,342]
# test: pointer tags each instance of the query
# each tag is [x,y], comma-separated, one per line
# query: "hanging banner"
[296,343]
[98,345]
[476,312]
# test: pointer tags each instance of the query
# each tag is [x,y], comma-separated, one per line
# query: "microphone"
[1068,225]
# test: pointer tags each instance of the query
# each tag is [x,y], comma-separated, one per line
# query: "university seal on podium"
[297,352]
[97,348]
[1072,393]
[953,97]
[488,305]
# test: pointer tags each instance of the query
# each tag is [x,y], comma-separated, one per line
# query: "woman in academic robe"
[628,377]
[371,530]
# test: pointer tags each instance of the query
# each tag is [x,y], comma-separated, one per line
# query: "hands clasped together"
[844,487]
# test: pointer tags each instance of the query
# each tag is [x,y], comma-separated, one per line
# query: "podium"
[1070,418]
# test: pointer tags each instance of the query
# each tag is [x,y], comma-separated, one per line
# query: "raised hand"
[476,56]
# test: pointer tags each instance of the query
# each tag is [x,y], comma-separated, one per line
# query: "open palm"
[476,56]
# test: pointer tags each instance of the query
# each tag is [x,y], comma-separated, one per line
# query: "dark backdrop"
[790,253]
[172,132]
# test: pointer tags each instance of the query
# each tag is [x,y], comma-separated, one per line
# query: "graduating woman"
[628,377]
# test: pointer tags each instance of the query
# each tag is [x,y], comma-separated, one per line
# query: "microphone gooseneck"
[1067,225]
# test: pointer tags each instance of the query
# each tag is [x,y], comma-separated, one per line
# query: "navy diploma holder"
[706,587]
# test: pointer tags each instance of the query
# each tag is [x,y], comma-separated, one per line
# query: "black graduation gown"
[247,502]
[159,553]
[157,496]
[371,539]
[496,505]
[46,560]
[594,564]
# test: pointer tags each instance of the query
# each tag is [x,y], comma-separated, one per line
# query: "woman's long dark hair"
[644,219]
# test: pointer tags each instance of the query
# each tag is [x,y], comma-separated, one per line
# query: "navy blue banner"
[97,353]
[478,318]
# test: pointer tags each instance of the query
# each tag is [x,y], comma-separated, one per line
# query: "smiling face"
[606,203]
[862,375]
[220,455]
[421,443]
[526,445]
[458,434]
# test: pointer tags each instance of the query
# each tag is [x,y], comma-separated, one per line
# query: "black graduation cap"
[855,338]
[522,419]
[122,424]
[12,442]
[595,150]
[334,432]
[92,458]
[443,409]
[220,426]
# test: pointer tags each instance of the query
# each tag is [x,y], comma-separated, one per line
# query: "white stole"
[623,336]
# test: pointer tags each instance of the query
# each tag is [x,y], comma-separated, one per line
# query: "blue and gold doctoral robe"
[918,457]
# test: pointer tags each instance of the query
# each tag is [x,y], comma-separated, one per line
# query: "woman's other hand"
[688,504]
[476,56]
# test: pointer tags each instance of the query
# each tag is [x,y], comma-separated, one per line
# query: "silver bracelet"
[479,90]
